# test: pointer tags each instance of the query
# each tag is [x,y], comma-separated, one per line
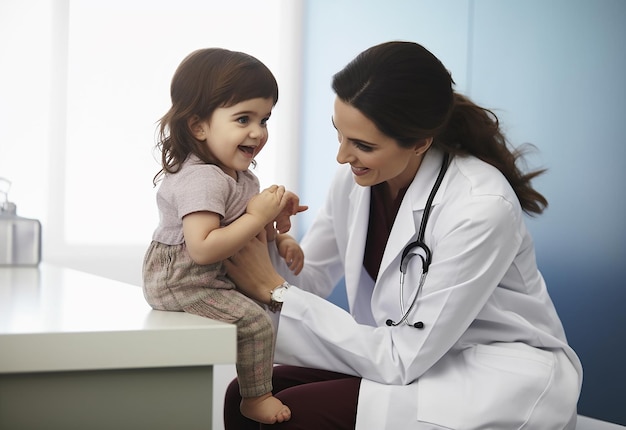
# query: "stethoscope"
[414,248]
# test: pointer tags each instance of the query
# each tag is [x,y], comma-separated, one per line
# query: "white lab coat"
[492,352]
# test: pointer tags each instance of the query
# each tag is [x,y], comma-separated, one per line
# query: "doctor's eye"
[362,146]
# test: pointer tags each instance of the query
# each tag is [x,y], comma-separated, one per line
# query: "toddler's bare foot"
[265,409]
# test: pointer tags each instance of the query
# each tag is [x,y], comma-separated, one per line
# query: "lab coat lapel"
[358,206]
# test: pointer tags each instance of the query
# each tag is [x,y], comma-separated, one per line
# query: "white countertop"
[57,319]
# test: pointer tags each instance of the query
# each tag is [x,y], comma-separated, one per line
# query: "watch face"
[277,297]
[278,294]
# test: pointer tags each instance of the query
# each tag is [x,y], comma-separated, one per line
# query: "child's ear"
[196,126]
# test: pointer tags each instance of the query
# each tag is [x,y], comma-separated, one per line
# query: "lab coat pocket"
[485,387]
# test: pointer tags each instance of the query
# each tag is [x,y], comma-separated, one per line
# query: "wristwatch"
[277,297]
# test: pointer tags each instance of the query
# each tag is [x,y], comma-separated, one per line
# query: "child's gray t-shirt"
[197,187]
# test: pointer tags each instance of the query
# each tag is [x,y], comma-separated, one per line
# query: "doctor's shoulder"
[478,190]
[481,179]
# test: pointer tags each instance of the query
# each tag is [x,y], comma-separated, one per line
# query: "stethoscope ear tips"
[389,323]
[418,324]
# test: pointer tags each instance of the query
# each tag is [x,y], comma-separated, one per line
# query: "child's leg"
[255,351]
[255,360]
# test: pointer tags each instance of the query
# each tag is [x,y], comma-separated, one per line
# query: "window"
[80,149]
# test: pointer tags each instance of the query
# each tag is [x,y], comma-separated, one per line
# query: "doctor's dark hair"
[408,94]
[205,80]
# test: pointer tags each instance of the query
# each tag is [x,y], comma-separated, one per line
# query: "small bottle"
[20,238]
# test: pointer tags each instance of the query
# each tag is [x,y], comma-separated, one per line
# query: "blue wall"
[554,73]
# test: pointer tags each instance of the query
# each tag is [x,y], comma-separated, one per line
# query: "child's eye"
[243,120]
[264,121]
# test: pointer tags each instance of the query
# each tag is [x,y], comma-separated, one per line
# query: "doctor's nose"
[343,153]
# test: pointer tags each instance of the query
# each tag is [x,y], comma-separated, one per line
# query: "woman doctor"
[471,340]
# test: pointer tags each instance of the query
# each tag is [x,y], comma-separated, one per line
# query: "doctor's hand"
[252,271]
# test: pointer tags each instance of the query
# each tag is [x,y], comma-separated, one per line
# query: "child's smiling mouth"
[248,150]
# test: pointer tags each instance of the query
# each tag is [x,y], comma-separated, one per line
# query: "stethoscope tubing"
[419,243]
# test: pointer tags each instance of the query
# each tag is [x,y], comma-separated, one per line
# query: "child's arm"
[291,252]
[208,243]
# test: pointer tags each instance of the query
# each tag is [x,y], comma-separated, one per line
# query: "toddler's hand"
[291,252]
[292,207]
[267,204]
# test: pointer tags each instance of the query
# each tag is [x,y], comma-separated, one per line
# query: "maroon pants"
[318,399]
